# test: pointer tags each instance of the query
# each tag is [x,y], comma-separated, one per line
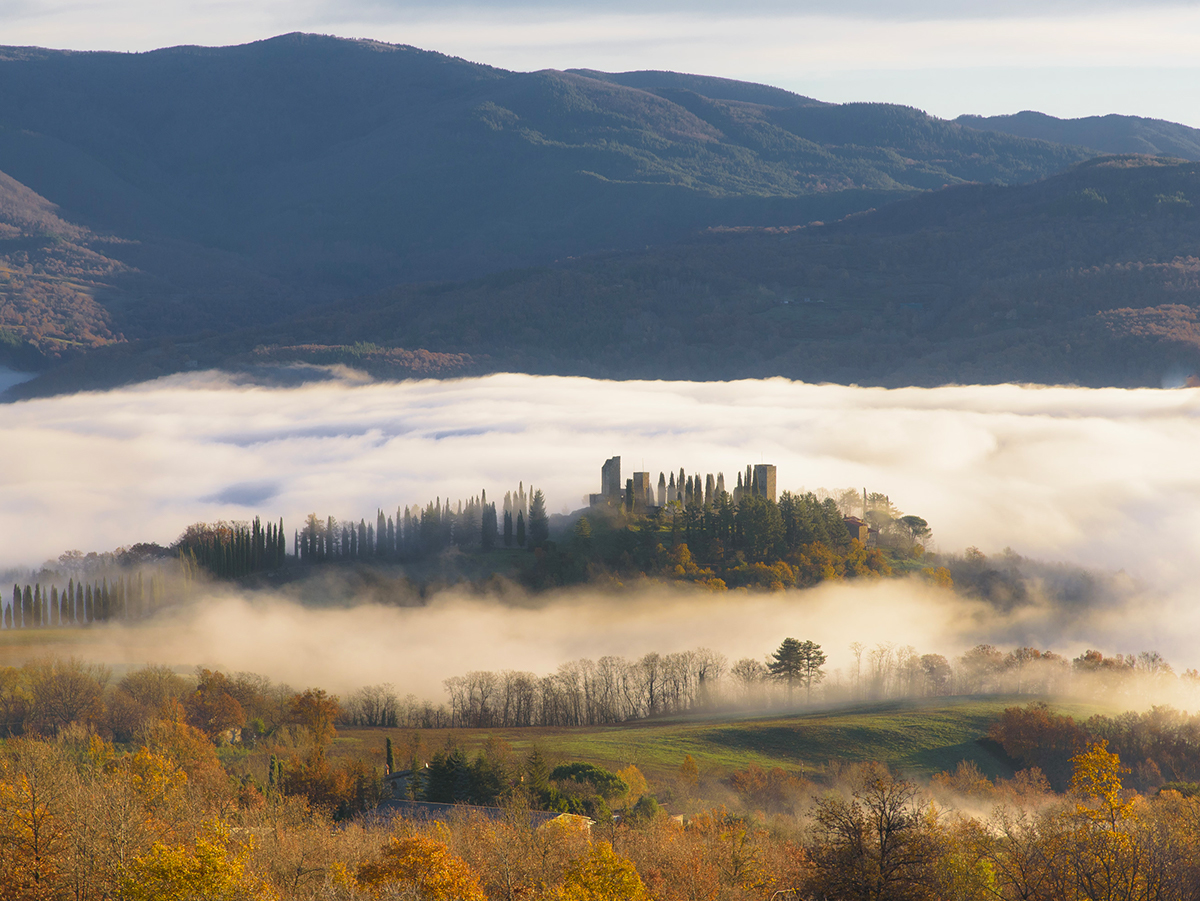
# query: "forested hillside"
[246,183]
[1109,134]
[1088,277]
[314,199]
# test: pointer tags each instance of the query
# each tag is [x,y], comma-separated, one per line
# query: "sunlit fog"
[1096,480]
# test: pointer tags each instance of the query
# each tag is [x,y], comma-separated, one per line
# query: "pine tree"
[539,522]
[487,534]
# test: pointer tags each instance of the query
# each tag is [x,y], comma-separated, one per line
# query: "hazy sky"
[1064,57]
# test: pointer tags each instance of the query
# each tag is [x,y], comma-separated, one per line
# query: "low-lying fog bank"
[1104,479]
[416,648]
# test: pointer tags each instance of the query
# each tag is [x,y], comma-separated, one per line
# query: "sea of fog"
[1104,479]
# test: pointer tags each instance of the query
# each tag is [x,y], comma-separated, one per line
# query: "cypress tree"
[520,529]
[38,619]
[8,623]
[27,608]
[89,606]
[389,758]
[487,534]
[16,606]
[539,522]
[54,605]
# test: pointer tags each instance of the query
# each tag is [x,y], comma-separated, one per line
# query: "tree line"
[232,550]
[415,532]
[615,689]
[128,596]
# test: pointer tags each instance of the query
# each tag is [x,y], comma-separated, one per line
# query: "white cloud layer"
[1101,478]
[1097,477]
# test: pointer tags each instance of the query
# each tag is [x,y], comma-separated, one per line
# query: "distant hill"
[705,86]
[247,183]
[1089,277]
[198,202]
[1108,134]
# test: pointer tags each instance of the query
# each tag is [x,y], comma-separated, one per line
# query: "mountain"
[1088,277]
[1107,134]
[242,185]
[53,278]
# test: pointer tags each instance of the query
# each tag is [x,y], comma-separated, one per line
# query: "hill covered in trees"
[1108,134]
[1088,277]
[245,183]
[261,203]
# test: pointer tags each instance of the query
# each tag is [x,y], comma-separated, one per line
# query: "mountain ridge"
[225,191]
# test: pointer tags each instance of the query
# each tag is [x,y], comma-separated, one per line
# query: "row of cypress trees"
[416,532]
[79,603]
[232,551]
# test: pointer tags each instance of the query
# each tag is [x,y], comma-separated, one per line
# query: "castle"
[642,495]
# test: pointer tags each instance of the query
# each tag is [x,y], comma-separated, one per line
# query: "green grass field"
[916,737]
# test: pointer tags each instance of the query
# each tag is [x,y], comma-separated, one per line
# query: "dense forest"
[1088,277]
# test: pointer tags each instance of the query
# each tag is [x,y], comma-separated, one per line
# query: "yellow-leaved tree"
[1105,859]
[207,871]
[603,875]
[425,867]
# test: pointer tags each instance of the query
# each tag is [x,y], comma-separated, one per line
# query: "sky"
[1103,479]
[1067,58]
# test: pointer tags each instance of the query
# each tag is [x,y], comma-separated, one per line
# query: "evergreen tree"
[788,663]
[54,605]
[487,534]
[27,608]
[389,759]
[508,528]
[89,605]
[16,606]
[520,529]
[8,620]
[539,522]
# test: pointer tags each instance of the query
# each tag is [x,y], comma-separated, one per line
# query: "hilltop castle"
[640,493]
